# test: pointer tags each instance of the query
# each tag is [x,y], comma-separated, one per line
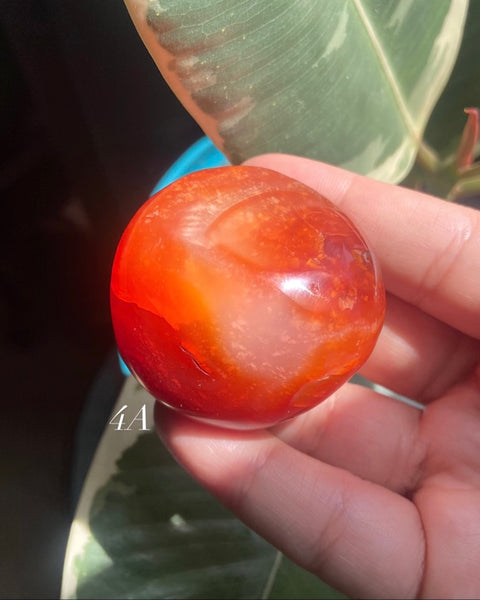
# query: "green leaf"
[145,529]
[350,82]
[446,125]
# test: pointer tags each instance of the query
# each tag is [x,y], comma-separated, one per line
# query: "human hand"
[375,496]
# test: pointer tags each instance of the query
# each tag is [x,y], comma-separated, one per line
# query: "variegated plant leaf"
[350,82]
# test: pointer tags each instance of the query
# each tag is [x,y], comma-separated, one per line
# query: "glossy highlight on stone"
[243,297]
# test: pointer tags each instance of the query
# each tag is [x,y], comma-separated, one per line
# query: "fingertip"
[180,433]
[214,455]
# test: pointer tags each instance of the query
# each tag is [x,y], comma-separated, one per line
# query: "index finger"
[429,249]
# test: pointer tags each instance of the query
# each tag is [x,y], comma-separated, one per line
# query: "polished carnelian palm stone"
[244,297]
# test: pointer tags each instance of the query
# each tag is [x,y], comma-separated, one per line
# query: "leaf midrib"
[272,575]
[389,73]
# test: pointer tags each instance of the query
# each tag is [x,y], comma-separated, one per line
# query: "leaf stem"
[428,158]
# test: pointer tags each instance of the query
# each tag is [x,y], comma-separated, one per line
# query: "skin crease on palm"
[377,497]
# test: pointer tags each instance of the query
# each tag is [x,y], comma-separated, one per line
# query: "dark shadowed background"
[87,127]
